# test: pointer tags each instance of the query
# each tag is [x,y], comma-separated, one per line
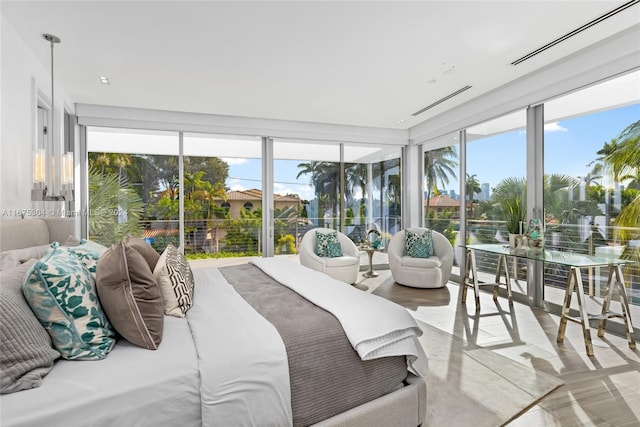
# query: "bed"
[255,348]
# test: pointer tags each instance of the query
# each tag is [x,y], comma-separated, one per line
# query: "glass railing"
[598,241]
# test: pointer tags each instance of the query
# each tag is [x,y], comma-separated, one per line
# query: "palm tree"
[593,175]
[439,165]
[356,179]
[115,207]
[622,160]
[326,182]
[472,186]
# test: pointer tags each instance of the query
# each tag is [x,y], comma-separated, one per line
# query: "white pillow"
[175,278]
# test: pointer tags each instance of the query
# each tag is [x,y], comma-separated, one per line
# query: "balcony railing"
[243,237]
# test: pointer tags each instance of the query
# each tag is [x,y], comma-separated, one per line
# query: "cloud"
[234,160]
[304,191]
[554,127]
[236,187]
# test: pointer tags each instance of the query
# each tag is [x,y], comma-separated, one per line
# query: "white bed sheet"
[243,361]
[131,387]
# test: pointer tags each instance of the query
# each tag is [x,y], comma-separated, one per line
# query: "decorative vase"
[513,240]
[536,235]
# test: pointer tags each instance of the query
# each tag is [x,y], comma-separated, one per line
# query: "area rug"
[470,386]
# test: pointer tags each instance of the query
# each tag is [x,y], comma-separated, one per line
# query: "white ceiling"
[357,63]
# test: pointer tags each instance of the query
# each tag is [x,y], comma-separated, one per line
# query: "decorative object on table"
[522,244]
[536,235]
[373,238]
[514,216]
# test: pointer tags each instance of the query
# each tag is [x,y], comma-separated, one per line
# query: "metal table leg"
[617,281]
[575,282]
[470,278]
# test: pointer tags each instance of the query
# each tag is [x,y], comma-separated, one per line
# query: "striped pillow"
[175,278]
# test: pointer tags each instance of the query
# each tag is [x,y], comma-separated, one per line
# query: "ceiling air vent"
[451,95]
[576,31]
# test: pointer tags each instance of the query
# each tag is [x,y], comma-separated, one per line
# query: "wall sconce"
[40,189]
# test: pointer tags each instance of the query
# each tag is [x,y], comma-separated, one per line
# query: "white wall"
[21,76]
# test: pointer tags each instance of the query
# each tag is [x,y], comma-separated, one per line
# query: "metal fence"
[243,237]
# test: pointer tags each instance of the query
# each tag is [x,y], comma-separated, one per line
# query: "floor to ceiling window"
[373,195]
[133,185]
[306,190]
[222,195]
[360,193]
[496,188]
[441,187]
[592,182]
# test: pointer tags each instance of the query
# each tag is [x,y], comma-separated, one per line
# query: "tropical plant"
[472,186]
[509,197]
[115,207]
[622,160]
[513,214]
[286,245]
[324,177]
[439,165]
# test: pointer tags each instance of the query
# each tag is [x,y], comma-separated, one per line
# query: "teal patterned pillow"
[418,245]
[328,245]
[62,294]
[88,252]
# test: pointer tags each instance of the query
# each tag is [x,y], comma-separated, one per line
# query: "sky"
[570,145]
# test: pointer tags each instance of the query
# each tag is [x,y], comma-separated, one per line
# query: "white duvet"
[376,327]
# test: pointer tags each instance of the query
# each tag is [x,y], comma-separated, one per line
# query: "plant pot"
[513,240]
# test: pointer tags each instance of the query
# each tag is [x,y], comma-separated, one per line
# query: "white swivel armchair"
[344,268]
[432,272]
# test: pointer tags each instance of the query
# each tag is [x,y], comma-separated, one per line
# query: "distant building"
[485,192]
[443,203]
[250,200]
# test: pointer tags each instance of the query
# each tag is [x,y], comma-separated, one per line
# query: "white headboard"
[24,233]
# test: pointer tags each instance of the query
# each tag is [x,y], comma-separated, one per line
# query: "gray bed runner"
[327,375]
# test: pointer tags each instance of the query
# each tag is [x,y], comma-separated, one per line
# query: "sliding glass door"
[222,195]
[592,182]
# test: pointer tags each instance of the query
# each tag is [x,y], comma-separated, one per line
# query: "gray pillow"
[26,254]
[146,250]
[8,261]
[130,296]
[26,353]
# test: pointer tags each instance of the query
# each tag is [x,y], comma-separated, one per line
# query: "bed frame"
[403,407]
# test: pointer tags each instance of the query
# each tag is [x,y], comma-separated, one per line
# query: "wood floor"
[602,390]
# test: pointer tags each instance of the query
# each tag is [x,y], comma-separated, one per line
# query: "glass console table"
[575,262]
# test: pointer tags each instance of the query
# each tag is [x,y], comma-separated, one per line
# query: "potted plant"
[514,215]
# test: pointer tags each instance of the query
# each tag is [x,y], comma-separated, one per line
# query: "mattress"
[327,375]
[131,387]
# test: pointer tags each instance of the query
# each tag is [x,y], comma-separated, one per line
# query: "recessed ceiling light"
[104,80]
[401,120]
